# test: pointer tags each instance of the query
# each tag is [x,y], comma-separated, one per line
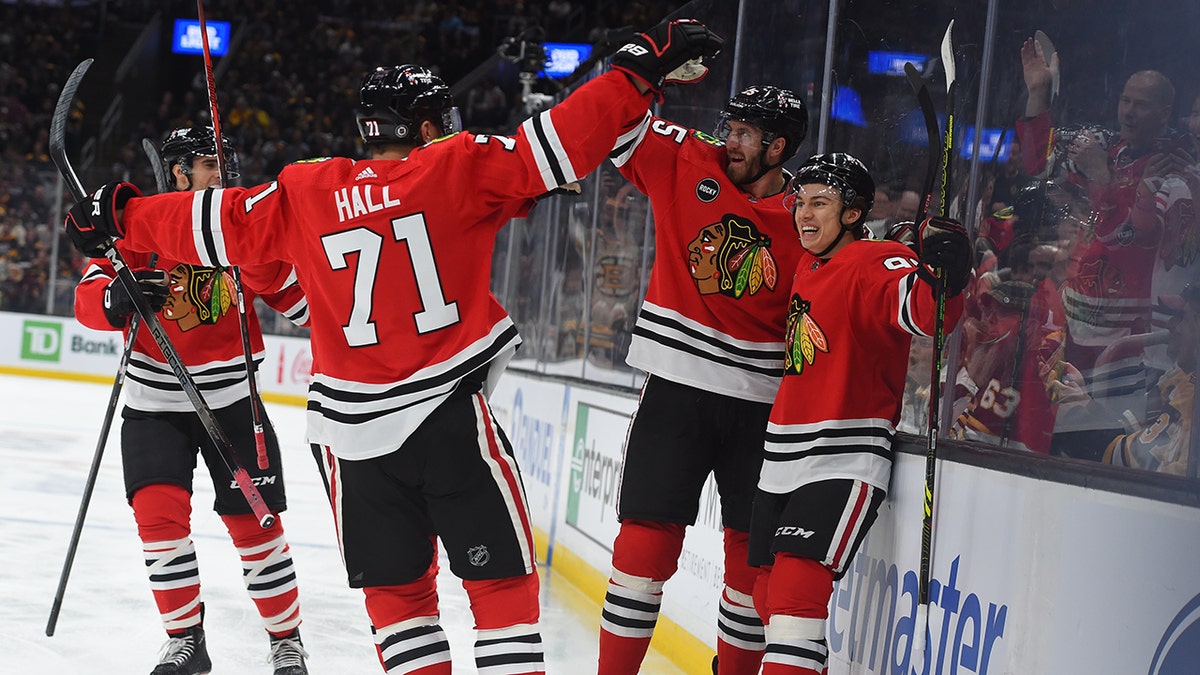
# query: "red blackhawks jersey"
[1107,293]
[201,319]
[713,316]
[394,256]
[850,323]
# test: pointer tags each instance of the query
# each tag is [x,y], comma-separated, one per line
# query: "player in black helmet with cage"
[710,337]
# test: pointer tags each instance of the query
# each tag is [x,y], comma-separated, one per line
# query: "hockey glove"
[94,222]
[118,306]
[669,53]
[905,232]
[944,245]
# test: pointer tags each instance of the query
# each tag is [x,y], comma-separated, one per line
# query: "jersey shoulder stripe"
[549,155]
[628,142]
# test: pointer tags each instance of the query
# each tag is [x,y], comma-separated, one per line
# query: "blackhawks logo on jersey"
[732,257]
[198,296]
[804,338]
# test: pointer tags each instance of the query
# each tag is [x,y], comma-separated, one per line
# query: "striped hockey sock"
[795,646]
[163,513]
[516,650]
[740,635]
[631,608]
[175,582]
[413,647]
[268,572]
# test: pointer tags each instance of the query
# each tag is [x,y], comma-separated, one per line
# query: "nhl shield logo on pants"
[478,555]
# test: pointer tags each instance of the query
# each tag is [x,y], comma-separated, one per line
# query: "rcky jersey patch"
[732,257]
[804,338]
[198,296]
[707,190]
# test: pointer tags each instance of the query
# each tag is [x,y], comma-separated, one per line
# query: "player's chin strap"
[846,229]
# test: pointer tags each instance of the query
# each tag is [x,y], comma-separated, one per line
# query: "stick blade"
[58,128]
[948,55]
[156,163]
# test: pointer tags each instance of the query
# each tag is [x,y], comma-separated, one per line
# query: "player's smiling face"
[206,173]
[818,214]
[744,150]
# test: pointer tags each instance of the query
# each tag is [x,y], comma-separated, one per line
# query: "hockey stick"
[58,153]
[260,444]
[135,324]
[931,126]
[160,171]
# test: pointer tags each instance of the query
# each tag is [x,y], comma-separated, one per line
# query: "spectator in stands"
[908,207]
[883,213]
[487,106]
[1160,438]
[1107,294]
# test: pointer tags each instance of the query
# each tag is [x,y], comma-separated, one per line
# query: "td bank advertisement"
[49,345]
[55,343]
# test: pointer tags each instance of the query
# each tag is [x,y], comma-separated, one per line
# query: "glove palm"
[669,53]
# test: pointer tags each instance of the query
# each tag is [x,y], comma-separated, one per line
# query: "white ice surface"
[108,623]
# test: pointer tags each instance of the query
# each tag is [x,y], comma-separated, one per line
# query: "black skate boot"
[185,654]
[287,654]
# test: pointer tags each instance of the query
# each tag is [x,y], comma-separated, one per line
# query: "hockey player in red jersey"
[161,435]
[407,339]
[709,337]
[855,306]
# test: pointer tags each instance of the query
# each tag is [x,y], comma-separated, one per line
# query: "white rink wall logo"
[873,616]
[1178,652]
[41,341]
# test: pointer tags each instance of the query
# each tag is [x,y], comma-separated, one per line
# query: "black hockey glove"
[944,245]
[671,52]
[118,306]
[93,222]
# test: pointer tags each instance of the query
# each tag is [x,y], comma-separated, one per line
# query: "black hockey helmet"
[841,171]
[395,100]
[778,112]
[186,143]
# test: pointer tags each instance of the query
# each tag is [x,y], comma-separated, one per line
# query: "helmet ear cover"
[395,101]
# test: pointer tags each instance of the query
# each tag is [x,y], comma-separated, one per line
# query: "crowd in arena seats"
[287,94]
[44,44]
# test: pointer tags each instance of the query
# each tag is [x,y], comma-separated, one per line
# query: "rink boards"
[1029,576]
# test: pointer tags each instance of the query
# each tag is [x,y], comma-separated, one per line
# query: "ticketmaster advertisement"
[1027,577]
